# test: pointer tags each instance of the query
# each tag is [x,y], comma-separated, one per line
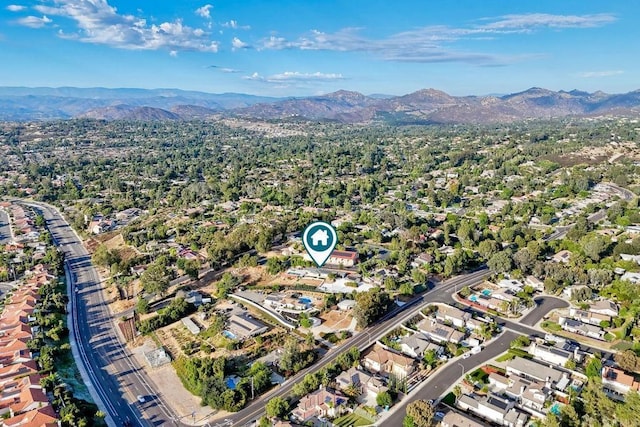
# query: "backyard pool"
[229,335]
[305,300]
[486,292]
[473,298]
[555,409]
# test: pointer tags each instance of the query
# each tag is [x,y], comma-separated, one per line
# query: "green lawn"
[449,399]
[551,326]
[480,376]
[513,352]
[351,420]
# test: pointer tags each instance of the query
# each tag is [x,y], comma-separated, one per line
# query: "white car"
[141,398]
[466,355]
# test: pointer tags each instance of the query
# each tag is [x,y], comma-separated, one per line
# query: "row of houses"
[523,391]
[23,401]
[23,224]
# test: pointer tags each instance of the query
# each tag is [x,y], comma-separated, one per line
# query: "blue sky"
[307,47]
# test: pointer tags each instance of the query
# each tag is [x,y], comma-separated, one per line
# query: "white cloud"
[435,43]
[15,8]
[173,53]
[98,22]
[295,76]
[236,44]
[34,21]
[596,74]
[234,24]
[527,22]
[204,11]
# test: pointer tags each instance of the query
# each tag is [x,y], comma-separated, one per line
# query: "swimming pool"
[231,382]
[555,408]
[229,334]
[305,300]
[486,292]
[473,298]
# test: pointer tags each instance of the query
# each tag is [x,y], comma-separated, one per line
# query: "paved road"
[114,374]
[5,231]
[449,374]
[256,409]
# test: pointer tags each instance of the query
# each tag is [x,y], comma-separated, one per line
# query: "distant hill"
[422,107]
[22,103]
[430,106]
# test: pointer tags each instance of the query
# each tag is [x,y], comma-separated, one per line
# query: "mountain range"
[428,106]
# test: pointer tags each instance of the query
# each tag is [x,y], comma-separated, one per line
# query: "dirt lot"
[166,380]
[336,320]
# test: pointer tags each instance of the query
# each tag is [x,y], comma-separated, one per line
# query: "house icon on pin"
[320,238]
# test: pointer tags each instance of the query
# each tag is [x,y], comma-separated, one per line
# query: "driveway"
[544,305]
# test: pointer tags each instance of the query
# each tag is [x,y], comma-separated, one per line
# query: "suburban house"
[279,302]
[604,307]
[458,419]
[616,383]
[321,403]
[533,370]
[534,282]
[416,345]
[528,393]
[493,408]
[439,332]
[551,354]
[511,284]
[562,257]
[457,317]
[363,381]
[344,258]
[588,316]
[243,326]
[384,361]
[631,277]
[577,327]
[421,260]
[41,417]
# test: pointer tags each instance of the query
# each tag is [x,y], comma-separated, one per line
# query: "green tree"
[407,289]
[370,306]
[142,306]
[593,368]
[500,262]
[384,399]
[421,412]
[155,279]
[277,407]
[628,360]
[593,246]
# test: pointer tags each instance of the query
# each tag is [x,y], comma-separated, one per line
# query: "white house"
[551,354]
[494,408]
[457,317]
[605,307]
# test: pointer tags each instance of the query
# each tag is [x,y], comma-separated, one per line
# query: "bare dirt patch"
[186,405]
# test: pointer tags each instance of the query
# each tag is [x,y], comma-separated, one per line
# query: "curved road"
[114,376]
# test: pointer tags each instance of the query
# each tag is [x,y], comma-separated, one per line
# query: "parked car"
[141,398]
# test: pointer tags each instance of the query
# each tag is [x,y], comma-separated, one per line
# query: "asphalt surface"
[255,410]
[5,231]
[114,374]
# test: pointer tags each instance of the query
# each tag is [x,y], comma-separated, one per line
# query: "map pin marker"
[319,239]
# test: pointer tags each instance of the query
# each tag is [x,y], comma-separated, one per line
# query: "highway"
[391,321]
[5,230]
[115,378]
